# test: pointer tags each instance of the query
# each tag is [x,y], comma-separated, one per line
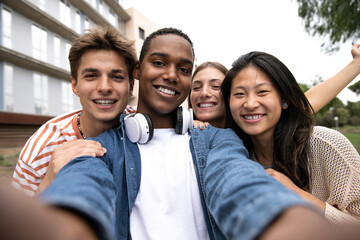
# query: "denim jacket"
[236,191]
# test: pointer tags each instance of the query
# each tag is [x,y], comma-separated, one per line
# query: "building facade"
[35,39]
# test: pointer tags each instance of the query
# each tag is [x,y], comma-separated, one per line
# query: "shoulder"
[329,135]
[327,143]
[47,134]
[216,134]
[109,137]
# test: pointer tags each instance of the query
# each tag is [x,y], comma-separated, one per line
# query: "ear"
[136,73]
[284,105]
[131,88]
[74,86]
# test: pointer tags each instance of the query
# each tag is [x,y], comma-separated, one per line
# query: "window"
[77,22]
[65,13]
[141,33]
[67,96]
[6,28]
[86,24]
[57,51]
[42,4]
[41,93]
[92,3]
[112,18]
[8,88]
[39,40]
[67,49]
[101,7]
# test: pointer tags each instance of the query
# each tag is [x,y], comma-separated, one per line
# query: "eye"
[184,70]
[239,94]
[196,88]
[90,76]
[261,92]
[216,87]
[118,77]
[158,63]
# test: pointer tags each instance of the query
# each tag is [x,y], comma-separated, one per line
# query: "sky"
[224,30]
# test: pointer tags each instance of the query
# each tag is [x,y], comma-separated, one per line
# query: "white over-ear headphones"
[139,127]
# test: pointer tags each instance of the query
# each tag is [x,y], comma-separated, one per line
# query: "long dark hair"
[292,132]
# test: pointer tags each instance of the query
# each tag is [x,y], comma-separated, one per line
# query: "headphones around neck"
[140,129]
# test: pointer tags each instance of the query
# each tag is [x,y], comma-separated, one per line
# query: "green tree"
[304,87]
[336,19]
[343,115]
[355,88]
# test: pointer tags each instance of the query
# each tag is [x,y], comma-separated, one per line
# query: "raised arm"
[324,92]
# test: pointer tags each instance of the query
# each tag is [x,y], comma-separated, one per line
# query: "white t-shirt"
[168,204]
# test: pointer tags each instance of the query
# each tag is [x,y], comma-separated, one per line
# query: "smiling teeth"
[104,102]
[167,91]
[247,117]
[204,105]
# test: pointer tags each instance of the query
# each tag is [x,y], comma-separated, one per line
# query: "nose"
[171,74]
[104,85]
[205,92]
[251,102]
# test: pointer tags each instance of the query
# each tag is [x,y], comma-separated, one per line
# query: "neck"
[263,149]
[92,128]
[219,123]
[160,120]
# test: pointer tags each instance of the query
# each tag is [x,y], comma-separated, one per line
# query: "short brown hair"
[107,38]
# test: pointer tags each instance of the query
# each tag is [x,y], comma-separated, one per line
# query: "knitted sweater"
[334,167]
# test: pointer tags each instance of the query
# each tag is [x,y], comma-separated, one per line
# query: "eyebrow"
[256,86]
[211,80]
[97,70]
[185,60]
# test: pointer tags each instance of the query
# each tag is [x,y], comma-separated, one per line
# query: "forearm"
[85,186]
[299,223]
[23,217]
[241,197]
[324,92]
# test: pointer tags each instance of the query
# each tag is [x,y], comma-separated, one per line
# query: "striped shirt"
[34,158]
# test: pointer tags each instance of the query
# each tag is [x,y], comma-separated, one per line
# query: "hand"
[199,124]
[291,185]
[65,153]
[355,50]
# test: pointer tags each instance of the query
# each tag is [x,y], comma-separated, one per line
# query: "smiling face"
[206,98]
[102,86]
[164,78]
[255,103]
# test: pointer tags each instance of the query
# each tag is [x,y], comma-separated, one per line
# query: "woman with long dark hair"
[270,113]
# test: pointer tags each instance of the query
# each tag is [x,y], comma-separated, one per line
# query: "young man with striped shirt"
[102,65]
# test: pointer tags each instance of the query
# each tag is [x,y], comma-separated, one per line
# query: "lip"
[166,91]
[253,118]
[104,103]
[206,105]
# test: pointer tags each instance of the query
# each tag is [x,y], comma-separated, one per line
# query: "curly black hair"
[163,31]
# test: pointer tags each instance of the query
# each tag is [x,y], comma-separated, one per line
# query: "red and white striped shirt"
[35,156]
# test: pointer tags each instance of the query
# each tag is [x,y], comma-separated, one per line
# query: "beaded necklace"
[78,123]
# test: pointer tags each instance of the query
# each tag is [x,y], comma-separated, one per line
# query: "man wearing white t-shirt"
[161,184]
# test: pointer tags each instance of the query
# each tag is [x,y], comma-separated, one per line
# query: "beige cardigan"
[334,167]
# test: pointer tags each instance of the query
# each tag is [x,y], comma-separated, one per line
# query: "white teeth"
[204,105]
[104,102]
[167,91]
[253,117]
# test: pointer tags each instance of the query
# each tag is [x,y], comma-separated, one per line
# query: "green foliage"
[343,115]
[355,87]
[355,121]
[336,19]
[304,87]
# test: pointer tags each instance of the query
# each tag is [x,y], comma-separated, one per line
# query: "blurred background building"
[36,36]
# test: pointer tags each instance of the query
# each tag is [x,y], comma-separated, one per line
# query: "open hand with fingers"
[65,153]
